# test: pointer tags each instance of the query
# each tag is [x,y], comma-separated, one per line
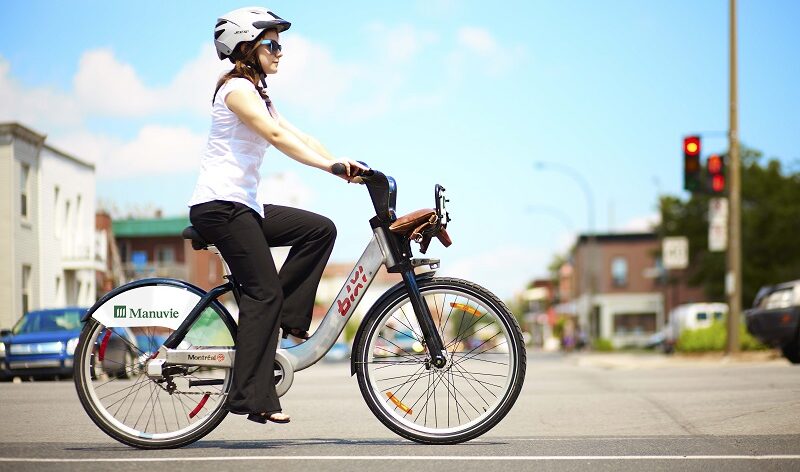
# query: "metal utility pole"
[733,279]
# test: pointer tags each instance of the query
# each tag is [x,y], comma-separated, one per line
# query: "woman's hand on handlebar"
[348,169]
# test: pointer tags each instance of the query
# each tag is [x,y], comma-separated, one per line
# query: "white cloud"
[642,223]
[504,270]
[285,188]
[106,87]
[193,86]
[478,40]
[42,107]
[399,43]
[312,79]
[480,50]
[155,150]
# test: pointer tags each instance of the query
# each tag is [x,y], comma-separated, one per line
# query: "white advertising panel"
[151,305]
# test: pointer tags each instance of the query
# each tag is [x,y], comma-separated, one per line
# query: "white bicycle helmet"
[242,25]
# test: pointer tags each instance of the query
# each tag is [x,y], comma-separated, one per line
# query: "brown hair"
[246,66]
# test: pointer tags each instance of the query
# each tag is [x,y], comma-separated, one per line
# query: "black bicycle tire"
[378,311]
[96,417]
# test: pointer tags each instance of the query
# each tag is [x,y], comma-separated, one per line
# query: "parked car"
[42,344]
[687,316]
[774,318]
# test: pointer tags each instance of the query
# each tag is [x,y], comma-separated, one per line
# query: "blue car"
[41,344]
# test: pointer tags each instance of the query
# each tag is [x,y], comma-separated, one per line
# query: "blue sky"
[462,93]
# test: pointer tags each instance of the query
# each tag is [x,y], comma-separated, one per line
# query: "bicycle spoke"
[404,334]
[409,325]
[449,313]
[478,347]
[470,376]
[400,386]
[476,390]
[411,355]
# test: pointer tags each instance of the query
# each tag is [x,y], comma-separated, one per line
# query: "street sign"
[718,224]
[675,252]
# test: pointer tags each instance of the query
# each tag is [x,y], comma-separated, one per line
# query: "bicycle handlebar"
[340,169]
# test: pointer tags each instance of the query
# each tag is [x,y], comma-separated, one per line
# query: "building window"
[26,288]
[165,254]
[24,189]
[634,323]
[619,271]
[67,214]
[57,210]
[78,212]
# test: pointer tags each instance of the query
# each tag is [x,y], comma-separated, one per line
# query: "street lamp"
[590,246]
[555,212]
[584,184]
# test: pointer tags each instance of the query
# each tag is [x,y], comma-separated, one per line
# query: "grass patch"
[713,338]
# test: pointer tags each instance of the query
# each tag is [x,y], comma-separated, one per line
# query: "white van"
[691,316]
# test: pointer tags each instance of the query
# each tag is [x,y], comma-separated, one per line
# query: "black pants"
[268,299]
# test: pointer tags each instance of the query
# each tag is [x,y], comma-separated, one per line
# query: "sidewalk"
[646,360]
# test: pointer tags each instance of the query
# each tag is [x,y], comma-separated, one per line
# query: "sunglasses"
[272,46]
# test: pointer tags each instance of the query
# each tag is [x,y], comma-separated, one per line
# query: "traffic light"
[691,164]
[715,167]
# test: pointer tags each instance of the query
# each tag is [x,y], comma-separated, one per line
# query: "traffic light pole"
[733,279]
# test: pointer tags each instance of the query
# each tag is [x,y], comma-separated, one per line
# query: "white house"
[47,239]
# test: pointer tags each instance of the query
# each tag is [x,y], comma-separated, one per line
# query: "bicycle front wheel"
[171,411]
[467,397]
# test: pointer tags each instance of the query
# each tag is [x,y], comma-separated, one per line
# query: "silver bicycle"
[438,360]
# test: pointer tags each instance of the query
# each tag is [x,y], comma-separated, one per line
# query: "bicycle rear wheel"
[141,411]
[466,398]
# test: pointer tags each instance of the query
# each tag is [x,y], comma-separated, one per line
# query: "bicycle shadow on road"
[266,444]
[249,444]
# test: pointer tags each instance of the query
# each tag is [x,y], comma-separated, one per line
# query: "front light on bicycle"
[71,345]
[417,347]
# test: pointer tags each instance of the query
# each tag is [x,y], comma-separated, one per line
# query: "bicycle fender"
[148,302]
[398,287]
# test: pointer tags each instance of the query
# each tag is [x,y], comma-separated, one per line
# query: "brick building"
[617,288]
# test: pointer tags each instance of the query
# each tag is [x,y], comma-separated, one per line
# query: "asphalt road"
[577,412]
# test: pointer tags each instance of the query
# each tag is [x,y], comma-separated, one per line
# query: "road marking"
[408,458]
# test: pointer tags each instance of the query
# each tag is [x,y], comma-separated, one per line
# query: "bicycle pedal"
[419,262]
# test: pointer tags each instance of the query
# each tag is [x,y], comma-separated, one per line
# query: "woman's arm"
[306,138]
[250,110]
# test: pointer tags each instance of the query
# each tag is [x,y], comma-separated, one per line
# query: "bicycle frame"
[305,354]
[385,248]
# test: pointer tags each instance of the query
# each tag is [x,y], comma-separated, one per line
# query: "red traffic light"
[718,183]
[715,166]
[691,145]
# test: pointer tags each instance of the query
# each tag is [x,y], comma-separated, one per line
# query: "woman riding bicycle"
[225,211]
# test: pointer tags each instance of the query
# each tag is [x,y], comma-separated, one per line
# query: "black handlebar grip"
[338,169]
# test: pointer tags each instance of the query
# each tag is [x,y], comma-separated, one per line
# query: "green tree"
[770,225]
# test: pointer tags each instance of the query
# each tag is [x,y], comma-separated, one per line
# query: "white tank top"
[229,167]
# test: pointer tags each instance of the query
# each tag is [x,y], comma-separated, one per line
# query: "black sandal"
[296,332]
[259,418]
